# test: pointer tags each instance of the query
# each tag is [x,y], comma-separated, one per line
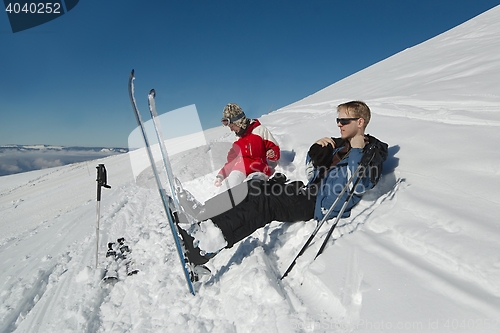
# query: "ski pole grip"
[102,176]
[101,180]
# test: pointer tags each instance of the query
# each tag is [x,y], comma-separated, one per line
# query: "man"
[331,163]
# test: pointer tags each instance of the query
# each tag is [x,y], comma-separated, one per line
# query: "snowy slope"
[419,254]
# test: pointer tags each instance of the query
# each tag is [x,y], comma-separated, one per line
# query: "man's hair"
[356,109]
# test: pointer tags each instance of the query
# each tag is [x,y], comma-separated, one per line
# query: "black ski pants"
[253,204]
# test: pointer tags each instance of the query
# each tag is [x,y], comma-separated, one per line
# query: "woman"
[249,154]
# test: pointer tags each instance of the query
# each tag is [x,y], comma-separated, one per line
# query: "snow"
[419,254]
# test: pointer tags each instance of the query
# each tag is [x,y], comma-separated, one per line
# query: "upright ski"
[166,199]
[183,200]
[163,148]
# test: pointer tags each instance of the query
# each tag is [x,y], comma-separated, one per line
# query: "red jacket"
[248,153]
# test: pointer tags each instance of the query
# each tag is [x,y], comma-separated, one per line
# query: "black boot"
[193,253]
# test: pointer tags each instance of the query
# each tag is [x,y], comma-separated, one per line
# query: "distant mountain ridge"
[22,158]
[41,147]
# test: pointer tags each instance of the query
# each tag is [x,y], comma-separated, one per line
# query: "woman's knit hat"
[234,115]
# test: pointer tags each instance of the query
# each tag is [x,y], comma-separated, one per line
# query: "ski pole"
[101,182]
[365,161]
[339,216]
[320,223]
[368,156]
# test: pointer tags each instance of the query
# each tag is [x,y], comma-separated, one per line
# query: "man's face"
[349,130]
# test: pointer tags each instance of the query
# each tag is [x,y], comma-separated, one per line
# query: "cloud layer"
[16,159]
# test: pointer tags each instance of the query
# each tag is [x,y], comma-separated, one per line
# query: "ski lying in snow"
[126,254]
[119,261]
[111,271]
[169,203]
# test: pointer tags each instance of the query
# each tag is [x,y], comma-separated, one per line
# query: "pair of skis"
[119,261]
[169,202]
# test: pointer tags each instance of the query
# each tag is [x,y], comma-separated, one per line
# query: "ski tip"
[132,73]
[109,281]
[152,92]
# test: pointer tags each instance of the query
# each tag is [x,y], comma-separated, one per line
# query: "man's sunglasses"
[227,121]
[345,121]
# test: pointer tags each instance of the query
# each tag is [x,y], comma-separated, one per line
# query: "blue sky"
[65,82]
